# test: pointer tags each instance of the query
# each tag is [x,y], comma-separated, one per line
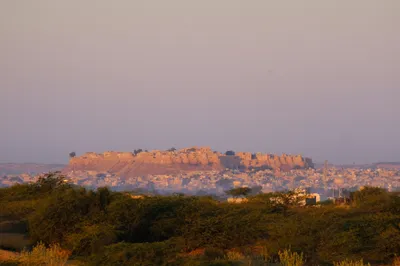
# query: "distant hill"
[385,165]
[28,168]
[391,165]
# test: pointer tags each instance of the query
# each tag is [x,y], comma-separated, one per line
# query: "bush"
[221,262]
[289,258]
[156,253]
[240,191]
[136,152]
[234,255]
[91,239]
[62,213]
[396,261]
[350,263]
[40,255]
[213,253]
[371,198]
[17,210]
[111,228]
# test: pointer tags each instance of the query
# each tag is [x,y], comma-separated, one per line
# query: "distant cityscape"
[325,181]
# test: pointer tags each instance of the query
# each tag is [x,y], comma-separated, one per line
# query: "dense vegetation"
[111,228]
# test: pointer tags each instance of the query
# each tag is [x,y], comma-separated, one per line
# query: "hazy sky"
[320,78]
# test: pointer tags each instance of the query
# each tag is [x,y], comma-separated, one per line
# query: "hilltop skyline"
[315,78]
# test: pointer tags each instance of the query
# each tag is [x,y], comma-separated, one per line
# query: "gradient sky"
[320,78]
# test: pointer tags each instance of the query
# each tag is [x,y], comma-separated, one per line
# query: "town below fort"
[200,171]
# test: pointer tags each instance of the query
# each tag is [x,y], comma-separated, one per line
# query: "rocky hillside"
[127,164]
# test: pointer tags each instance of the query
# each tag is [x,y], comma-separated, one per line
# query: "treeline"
[103,227]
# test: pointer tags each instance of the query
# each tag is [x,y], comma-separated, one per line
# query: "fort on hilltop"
[128,164]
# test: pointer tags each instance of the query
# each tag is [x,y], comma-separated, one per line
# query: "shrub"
[40,255]
[17,210]
[91,239]
[230,153]
[371,199]
[234,255]
[214,253]
[350,263]
[62,213]
[289,258]
[396,261]
[240,191]
[136,152]
[219,262]
[156,253]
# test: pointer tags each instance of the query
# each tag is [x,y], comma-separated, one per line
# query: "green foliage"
[59,215]
[203,228]
[277,202]
[147,220]
[62,213]
[91,239]
[371,198]
[17,210]
[112,228]
[157,253]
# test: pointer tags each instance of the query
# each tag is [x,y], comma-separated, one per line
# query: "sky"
[311,77]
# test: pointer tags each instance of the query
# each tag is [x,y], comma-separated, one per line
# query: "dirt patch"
[13,241]
[6,255]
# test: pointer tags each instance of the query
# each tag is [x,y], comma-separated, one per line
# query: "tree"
[240,191]
[136,152]
[59,215]
[230,153]
[371,198]
[256,190]
[50,182]
[72,154]
[171,149]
